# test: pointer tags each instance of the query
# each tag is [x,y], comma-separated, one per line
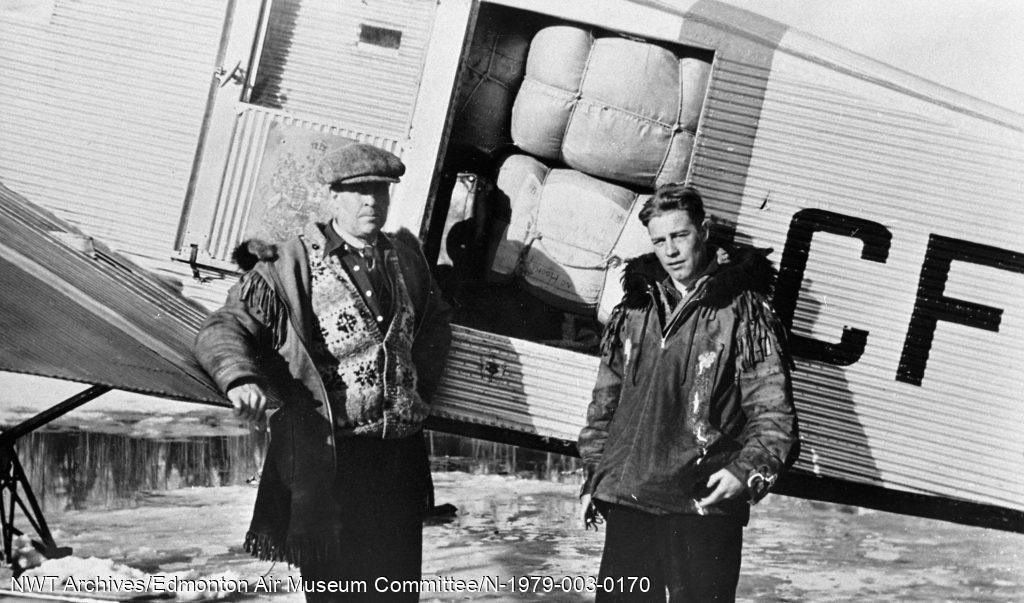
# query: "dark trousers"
[695,557]
[383,487]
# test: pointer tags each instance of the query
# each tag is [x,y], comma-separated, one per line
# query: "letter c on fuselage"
[876,239]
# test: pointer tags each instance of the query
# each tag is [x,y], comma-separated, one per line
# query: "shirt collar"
[335,240]
[683,292]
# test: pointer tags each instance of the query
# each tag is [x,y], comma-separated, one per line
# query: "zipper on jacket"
[384,392]
[680,317]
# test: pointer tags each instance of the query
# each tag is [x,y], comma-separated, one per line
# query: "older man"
[692,415]
[344,328]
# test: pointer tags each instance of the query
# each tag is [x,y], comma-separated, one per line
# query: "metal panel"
[313,62]
[916,173]
[516,385]
[793,124]
[102,104]
[237,195]
[726,134]
[628,17]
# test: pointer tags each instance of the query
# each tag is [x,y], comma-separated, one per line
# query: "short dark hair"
[674,197]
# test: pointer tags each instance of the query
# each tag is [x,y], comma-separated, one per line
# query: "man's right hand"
[588,513]
[248,400]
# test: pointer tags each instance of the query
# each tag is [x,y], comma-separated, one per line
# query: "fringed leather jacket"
[265,333]
[270,308]
[684,392]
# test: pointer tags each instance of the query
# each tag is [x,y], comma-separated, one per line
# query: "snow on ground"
[509,527]
[506,527]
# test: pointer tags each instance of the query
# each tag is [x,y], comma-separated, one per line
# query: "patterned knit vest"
[368,374]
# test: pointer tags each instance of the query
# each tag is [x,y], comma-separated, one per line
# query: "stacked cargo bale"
[562,232]
[611,107]
[633,242]
[490,79]
[622,115]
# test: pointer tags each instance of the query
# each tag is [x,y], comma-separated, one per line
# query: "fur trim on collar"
[250,252]
[746,269]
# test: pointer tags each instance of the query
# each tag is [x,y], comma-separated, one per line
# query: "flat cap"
[359,162]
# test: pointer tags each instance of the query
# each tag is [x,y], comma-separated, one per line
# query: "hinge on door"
[193,256]
[236,75]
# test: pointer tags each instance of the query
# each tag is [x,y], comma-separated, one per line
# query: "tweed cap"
[358,163]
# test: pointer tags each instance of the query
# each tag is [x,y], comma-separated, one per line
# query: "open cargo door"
[323,74]
[102,104]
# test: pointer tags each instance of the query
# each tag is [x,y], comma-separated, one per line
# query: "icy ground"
[508,527]
[795,550]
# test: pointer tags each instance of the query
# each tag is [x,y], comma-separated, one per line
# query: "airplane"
[151,140]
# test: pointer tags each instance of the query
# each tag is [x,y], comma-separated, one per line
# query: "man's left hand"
[723,485]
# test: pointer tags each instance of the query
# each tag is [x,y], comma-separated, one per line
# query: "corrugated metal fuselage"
[892,208]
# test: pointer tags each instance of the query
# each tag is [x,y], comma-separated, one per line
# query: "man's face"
[361,209]
[679,244]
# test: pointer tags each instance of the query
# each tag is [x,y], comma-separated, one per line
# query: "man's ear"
[705,229]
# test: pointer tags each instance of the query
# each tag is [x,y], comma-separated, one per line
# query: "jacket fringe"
[760,333]
[262,547]
[610,338]
[265,305]
[295,550]
[637,277]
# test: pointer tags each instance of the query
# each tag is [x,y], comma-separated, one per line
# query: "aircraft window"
[380,36]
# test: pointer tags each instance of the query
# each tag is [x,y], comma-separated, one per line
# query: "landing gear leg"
[16,492]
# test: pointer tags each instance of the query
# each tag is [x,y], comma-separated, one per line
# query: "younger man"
[692,414]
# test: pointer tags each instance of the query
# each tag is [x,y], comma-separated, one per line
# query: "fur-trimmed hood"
[738,269]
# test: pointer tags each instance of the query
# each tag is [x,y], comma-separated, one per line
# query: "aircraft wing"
[72,309]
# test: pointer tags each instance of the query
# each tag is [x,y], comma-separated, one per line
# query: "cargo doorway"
[560,132]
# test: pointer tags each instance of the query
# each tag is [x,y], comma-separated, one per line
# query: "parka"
[681,394]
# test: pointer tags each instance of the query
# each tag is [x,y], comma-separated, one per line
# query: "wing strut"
[15,491]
